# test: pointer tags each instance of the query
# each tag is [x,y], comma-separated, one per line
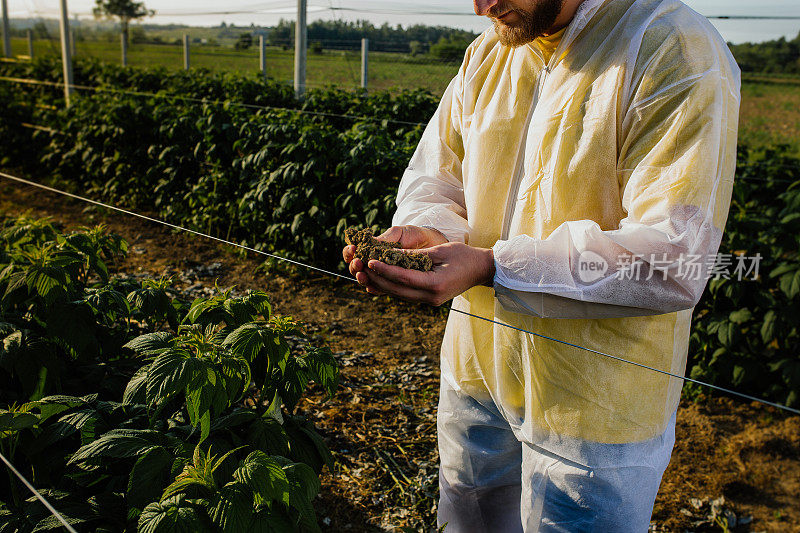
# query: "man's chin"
[511,36]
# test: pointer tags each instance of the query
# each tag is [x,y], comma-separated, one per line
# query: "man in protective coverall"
[574,182]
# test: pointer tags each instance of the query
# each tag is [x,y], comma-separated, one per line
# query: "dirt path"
[381,425]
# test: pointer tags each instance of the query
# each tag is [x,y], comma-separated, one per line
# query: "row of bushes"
[132,408]
[290,182]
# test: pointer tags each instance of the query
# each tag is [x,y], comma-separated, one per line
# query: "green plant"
[221,374]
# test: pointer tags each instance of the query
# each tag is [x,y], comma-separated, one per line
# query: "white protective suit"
[620,150]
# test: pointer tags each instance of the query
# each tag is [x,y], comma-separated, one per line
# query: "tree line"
[780,56]
[414,39]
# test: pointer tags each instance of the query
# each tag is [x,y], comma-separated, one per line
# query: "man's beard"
[531,23]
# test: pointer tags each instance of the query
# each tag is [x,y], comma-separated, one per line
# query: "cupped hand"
[409,237]
[457,267]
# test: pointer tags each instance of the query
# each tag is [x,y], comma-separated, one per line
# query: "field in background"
[331,67]
[770,112]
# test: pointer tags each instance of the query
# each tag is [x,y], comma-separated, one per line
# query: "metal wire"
[38,495]
[350,279]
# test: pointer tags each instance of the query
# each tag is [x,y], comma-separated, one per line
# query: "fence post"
[123,43]
[6,31]
[30,43]
[364,62]
[186,51]
[262,43]
[300,50]
[66,53]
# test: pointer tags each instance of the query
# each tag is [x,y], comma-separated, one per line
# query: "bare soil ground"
[381,424]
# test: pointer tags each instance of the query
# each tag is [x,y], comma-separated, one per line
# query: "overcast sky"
[456,13]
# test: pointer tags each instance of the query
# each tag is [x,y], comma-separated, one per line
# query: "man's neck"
[566,16]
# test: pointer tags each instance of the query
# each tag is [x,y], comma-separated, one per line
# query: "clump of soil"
[368,247]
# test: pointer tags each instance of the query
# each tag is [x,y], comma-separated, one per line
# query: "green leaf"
[259,302]
[236,377]
[741,316]
[768,327]
[149,477]
[305,486]
[51,523]
[119,443]
[268,434]
[231,509]
[249,340]
[169,374]
[319,444]
[50,406]
[49,282]
[136,390]
[238,417]
[152,343]
[199,306]
[265,478]
[172,515]
[14,421]
[324,369]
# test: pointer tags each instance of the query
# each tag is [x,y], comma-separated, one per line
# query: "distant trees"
[450,48]
[774,57]
[414,39]
[124,10]
[245,41]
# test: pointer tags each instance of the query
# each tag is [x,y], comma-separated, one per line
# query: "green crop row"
[290,181]
[133,409]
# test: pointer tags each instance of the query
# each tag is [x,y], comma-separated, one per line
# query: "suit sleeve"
[675,171]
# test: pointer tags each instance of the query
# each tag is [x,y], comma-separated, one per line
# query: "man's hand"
[456,268]
[409,237]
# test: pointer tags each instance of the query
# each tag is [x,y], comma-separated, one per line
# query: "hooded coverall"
[617,150]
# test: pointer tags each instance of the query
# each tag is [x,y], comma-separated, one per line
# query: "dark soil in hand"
[368,247]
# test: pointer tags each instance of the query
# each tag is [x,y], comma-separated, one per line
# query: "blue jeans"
[490,481]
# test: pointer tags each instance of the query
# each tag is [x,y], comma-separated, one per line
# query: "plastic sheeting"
[620,151]
[491,482]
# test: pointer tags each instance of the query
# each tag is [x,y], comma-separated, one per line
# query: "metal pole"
[6,31]
[66,53]
[263,58]
[123,42]
[300,50]
[364,62]
[186,51]
[30,43]
[72,46]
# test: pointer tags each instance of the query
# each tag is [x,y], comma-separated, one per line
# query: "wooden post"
[123,43]
[364,62]
[262,43]
[300,50]
[30,43]
[6,31]
[66,53]
[186,51]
